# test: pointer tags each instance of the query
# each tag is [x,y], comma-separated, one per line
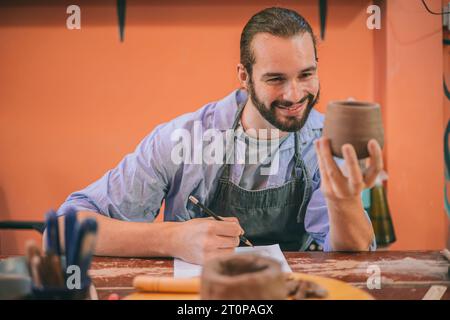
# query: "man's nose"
[294,92]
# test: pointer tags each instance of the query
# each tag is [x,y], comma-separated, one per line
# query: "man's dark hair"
[276,21]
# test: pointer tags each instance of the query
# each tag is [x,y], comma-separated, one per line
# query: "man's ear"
[243,76]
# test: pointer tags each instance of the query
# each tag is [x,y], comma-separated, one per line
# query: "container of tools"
[52,278]
[52,273]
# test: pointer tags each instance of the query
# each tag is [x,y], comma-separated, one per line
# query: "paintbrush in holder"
[58,276]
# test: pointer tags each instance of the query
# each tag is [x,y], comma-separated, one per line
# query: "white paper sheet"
[184,269]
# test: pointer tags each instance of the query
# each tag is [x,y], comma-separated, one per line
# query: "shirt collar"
[226,109]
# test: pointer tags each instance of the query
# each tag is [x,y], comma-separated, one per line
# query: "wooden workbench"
[404,274]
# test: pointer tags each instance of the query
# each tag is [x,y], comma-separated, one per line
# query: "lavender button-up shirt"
[135,189]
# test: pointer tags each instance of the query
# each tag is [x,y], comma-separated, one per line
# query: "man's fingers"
[235,220]
[325,182]
[334,173]
[231,219]
[227,242]
[351,161]
[228,220]
[376,163]
[227,229]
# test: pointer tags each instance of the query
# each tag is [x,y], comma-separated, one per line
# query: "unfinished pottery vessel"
[353,122]
[242,277]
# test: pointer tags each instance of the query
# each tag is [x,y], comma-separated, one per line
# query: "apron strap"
[230,153]
[297,158]
[306,179]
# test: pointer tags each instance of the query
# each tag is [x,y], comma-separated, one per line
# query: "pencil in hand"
[197,203]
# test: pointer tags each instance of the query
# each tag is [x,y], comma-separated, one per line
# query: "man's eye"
[275,79]
[306,75]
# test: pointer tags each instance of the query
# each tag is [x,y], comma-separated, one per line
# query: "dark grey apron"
[272,215]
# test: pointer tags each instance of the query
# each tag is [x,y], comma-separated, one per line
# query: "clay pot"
[242,277]
[353,122]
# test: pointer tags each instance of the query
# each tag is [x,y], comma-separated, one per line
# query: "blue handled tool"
[85,246]
[70,230]
[52,239]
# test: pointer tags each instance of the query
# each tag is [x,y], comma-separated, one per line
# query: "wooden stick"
[35,265]
[166,284]
[34,260]
[51,272]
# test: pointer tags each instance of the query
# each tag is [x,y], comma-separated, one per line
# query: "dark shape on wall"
[323,17]
[121,9]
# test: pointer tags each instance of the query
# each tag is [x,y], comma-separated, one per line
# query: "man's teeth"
[284,107]
[292,107]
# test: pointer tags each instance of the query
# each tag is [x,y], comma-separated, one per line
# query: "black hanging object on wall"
[121,9]
[323,17]
[23,225]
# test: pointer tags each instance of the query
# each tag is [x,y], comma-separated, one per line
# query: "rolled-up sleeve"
[317,220]
[134,189]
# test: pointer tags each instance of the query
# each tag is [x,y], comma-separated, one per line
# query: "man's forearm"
[349,228]
[130,239]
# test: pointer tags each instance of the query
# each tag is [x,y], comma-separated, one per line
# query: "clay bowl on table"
[353,122]
[242,277]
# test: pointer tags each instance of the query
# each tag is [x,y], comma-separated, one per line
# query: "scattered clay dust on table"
[339,268]
[328,267]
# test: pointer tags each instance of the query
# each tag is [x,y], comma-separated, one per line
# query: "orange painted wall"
[414,129]
[74,102]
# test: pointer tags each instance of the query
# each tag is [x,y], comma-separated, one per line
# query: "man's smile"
[293,110]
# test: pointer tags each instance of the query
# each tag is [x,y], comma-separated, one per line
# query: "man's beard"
[289,124]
